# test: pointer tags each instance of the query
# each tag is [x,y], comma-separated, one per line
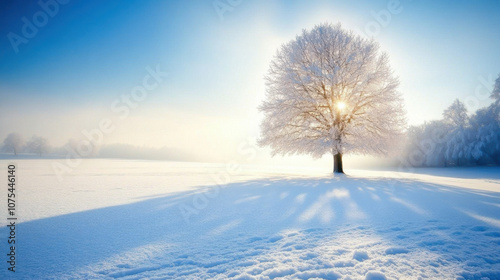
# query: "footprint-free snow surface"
[111,219]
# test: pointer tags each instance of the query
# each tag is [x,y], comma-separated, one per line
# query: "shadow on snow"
[240,223]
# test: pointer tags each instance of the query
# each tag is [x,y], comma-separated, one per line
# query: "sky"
[67,66]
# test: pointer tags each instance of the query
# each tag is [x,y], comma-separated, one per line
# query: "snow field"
[261,225]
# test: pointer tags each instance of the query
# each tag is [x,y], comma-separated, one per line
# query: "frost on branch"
[330,91]
[459,139]
[496,90]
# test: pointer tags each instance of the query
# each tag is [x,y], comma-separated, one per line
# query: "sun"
[340,105]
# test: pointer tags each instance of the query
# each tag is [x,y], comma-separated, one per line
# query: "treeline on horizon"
[15,144]
[459,138]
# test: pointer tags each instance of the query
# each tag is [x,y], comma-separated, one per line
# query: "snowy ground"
[118,219]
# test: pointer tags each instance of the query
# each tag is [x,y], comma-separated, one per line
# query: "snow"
[120,219]
[457,139]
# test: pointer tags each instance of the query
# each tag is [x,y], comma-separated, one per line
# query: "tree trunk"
[337,163]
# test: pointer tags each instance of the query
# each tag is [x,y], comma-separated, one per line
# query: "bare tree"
[38,145]
[13,142]
[329,91]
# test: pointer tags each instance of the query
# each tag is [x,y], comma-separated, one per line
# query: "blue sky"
[90,53]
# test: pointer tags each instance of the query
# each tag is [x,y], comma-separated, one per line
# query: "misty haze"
[234,139]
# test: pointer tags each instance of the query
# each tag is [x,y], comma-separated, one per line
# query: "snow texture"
[124,220]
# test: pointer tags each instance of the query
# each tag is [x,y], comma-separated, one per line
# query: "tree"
[457,143]
[495,94]
[485,135]
[13,142]
[329,91]
[456,114]
[38,145]
[426,143]
[433,142]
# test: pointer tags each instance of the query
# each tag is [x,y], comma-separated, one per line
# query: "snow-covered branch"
[308,80]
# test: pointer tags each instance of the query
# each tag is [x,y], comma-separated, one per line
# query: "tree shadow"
[325,227]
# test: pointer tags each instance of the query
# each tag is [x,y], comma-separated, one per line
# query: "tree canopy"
[331,91]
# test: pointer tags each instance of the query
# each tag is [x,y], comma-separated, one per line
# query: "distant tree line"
[459,138]
[15,143]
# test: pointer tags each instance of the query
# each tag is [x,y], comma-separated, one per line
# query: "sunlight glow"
[341,105]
